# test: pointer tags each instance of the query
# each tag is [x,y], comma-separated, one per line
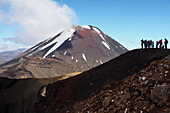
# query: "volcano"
[77,49]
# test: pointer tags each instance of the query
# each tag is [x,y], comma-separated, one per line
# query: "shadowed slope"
[62,95]
[146,91]
[20,95]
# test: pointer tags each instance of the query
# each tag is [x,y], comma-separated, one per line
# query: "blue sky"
[127,21]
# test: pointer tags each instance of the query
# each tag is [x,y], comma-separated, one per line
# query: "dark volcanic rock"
[74,50]
[160,94]
[145,91]
[91,91]
[20,95]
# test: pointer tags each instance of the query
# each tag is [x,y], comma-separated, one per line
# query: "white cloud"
[7,47]
[38,19]
[1,17]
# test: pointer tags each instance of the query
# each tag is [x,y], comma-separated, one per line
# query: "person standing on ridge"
[152,44]
[160,43]
[145,44]
[142,43]
[166,43]
[157,43]
[148,44]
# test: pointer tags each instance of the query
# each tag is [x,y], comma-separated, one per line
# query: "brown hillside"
[66,95]
[147,91]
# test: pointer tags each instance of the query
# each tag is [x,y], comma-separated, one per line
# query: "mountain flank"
[71,95]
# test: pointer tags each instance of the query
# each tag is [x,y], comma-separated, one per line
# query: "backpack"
[160,41]
[166,41]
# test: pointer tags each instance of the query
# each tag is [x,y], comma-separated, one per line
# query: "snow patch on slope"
[69,39]
[97,30]
[87,27]
[48,39]
[104,42]
[34,48]
[102,37]
[101,62]
[65,53]
[59,41]
[37,46]
[76,60]
[106,45]
[29,55]
[84,57]
[122,47]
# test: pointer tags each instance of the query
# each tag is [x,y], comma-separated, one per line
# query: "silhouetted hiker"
[142,43]
[162,46]
[148,44]
[157,43]
[160,43]
[166,43]
[152,44]
[145,44]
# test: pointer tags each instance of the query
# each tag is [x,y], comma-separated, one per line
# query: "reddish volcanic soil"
[137,81]
[145,91]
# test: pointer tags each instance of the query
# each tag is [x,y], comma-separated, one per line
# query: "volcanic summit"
[74,50]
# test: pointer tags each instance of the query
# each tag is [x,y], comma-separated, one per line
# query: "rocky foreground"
[145,91]
[136,82]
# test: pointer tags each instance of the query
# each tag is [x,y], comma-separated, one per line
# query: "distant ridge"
[8,55]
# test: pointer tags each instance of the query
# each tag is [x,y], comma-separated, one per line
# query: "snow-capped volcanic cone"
[78,44]
[74,50]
